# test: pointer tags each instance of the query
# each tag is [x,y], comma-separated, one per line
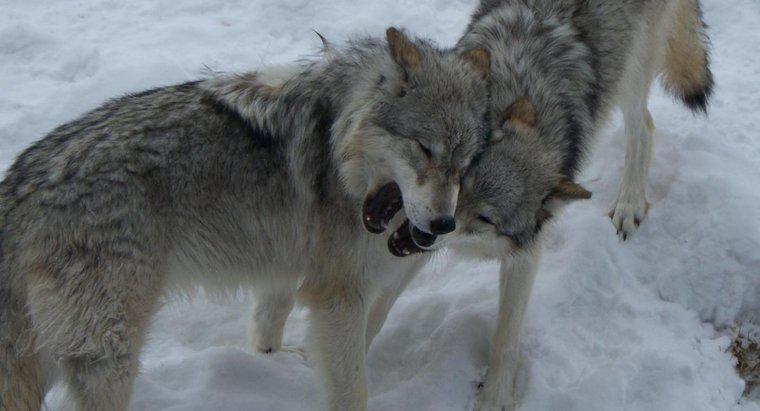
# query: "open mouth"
[422,238]
[408,240]
[380,207]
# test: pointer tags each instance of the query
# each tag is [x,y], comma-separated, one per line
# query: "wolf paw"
[488,405]
[488,400]
[627,216]
[298,351]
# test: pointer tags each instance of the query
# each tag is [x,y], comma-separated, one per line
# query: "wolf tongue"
[380,207]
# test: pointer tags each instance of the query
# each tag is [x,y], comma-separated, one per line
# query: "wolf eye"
[425,150]
[485,219]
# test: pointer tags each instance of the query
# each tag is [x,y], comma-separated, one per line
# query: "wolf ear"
[404,52]
[479,59]
[521,114]
[569,190]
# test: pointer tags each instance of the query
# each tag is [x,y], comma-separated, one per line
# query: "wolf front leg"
[517,274]
[270,312]
[337,334]
[378,312]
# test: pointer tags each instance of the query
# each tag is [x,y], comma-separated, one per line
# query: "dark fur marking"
[698,101]
[181,87]
[575,149]
[593,97]
[325,117]
[259,137]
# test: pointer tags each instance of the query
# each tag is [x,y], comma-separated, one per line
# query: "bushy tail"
[21,380]
[686,73]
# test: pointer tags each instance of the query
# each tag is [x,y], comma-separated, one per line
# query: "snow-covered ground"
[642,325]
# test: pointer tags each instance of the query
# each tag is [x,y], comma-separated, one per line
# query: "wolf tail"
[21,378]
[686,71]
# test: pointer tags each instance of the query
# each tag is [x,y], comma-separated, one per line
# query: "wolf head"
[514,188]
[421,123]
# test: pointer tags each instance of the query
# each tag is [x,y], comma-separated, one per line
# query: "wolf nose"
[442,225]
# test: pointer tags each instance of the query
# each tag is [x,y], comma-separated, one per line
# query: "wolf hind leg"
[92,314]
[631,207]
[100,372]
[101,383]
[22,385]
[270,312]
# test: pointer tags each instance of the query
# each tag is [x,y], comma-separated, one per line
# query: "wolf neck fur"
[311,105]
[537,52]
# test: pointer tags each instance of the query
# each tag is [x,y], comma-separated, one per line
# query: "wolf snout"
[442,225]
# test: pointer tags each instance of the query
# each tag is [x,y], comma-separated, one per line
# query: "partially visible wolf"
[568,62]
[265,179]
[557,68]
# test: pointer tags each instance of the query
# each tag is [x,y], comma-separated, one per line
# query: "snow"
[639,325]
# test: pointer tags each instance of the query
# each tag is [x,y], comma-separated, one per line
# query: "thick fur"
[18,357]
[255,179]
[575,60]
[572,61]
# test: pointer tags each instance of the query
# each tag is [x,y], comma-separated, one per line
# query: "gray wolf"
[557,70]
[276,179]
[576,60]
